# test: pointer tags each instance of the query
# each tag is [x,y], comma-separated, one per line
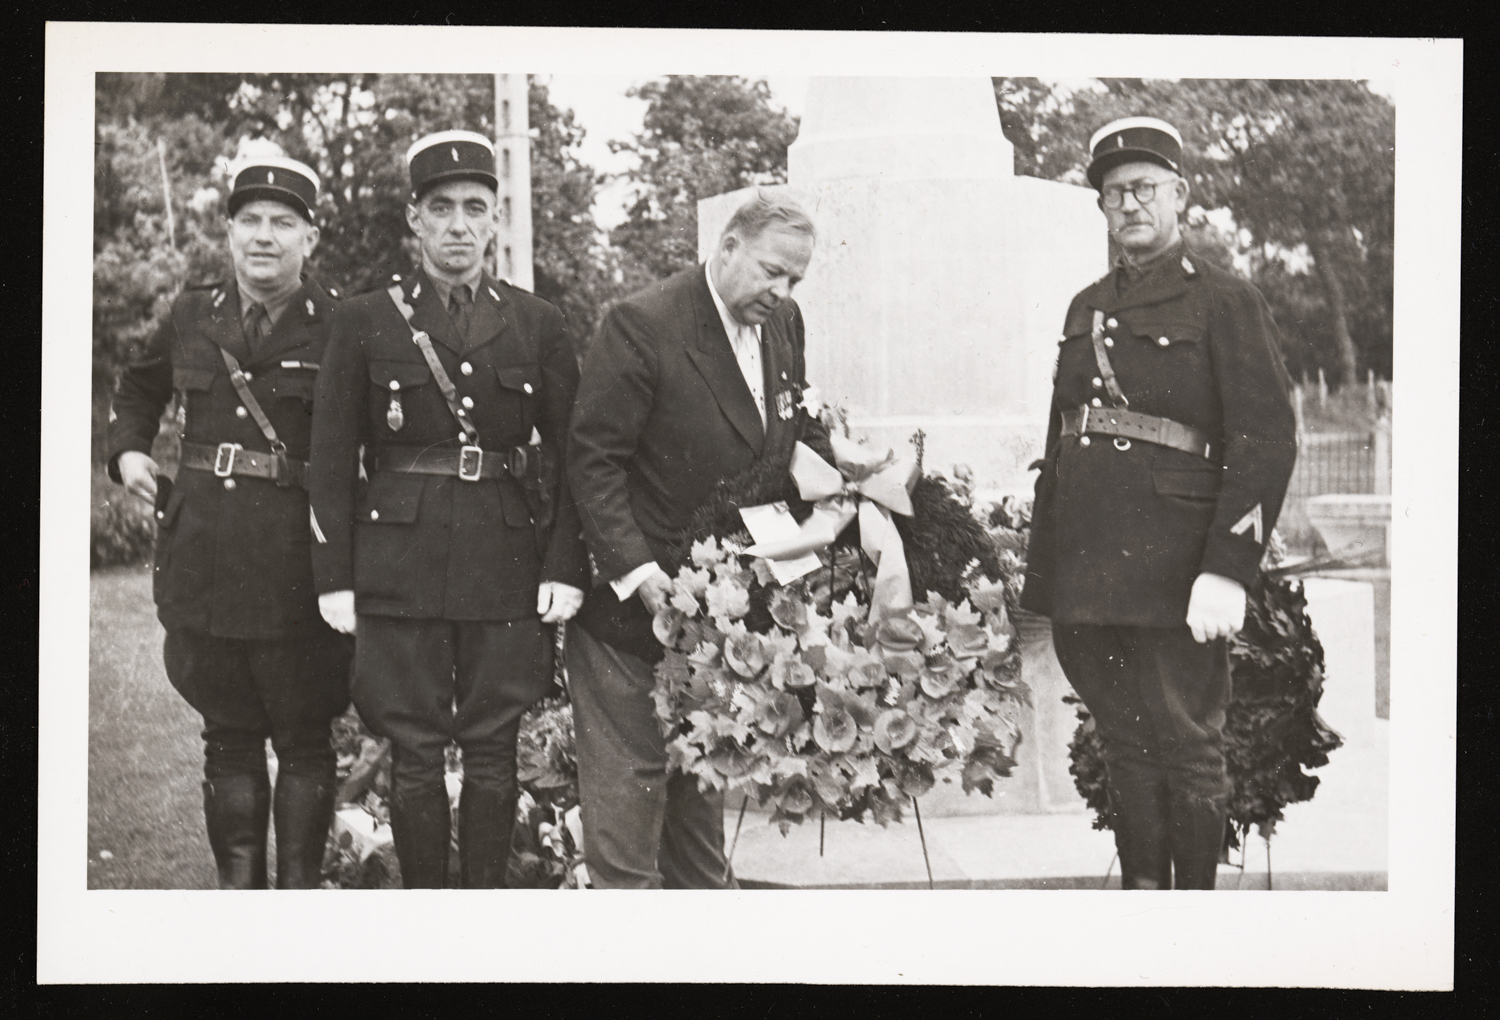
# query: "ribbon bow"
[867,484]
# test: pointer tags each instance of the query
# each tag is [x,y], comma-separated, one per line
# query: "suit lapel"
[223,327]
[720,369]
[288,332]
[490,315]
[429,315]
[780,387]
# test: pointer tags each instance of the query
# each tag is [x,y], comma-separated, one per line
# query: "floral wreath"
[810,698]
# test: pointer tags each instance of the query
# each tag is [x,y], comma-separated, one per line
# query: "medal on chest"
[393,414]
[785,407]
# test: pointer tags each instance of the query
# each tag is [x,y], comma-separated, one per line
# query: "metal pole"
[822,827]
[728,861]
[166,192]
[923,836]
[1109,870]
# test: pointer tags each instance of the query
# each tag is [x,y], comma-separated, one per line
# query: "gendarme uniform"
[447,527]
[233,580]
[1170,444]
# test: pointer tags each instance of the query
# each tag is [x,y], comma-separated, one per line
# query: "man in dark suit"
[233,579]
[456,388]
[1169,448]
[687,383]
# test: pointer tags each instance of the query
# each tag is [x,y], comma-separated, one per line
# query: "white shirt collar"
[731,327]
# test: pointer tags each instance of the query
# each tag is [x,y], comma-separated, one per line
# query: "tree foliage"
[1306,167]
[703,136]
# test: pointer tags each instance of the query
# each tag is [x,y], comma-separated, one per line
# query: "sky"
[600,105]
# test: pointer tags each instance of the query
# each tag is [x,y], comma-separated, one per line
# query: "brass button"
[1098,382]
[229,484]
[248,377]
[395,385]
[526,387]
[240,412]
[468,401]
[1097,402]
[1083,440]
[374,515]
[160,514]
[466,368]
[461,412]
[1109,341]
[1112,323]
[1163,341]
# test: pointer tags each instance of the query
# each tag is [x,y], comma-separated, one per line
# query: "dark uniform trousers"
[445,570]
[1121,529]
[233,584]
[1158,699]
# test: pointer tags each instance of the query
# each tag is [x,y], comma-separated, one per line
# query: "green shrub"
[121,529]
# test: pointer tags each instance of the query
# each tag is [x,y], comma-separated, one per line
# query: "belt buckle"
[224,459]
[470,455]
[517,462]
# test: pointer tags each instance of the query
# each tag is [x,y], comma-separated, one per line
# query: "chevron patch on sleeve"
[1251,520]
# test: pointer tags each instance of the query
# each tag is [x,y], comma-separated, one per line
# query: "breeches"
[426,683]
[287,690]
[643,828]
[1158,698]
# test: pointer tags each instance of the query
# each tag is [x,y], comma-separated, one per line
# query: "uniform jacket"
[435,546]
[231,560]
[663,415]
[1118,536]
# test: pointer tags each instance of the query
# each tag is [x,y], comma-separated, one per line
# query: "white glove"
[138,472]
[337,608]
[1216,607]
[557,602]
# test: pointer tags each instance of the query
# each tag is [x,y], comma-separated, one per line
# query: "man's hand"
[655,591]
[337,608]
[557,602]
[1216,608]
[138,472]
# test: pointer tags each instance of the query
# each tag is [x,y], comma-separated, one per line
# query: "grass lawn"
[145,754]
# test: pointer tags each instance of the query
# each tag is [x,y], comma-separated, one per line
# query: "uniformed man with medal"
[245,643]
[445,539]
[1170,443]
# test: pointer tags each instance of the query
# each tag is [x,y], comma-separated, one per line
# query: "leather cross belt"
[469,463]
[228,459]
[1148,428]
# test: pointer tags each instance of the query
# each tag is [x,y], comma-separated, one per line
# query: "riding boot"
[304,812]
[236,810]
[1196,838]
[486,821]
[1138,801]
[421,830]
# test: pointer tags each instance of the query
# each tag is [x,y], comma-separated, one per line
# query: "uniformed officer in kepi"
[1169,448]
[245,643]
[462,543]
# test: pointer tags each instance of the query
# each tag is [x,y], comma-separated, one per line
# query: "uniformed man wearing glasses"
[1170,443]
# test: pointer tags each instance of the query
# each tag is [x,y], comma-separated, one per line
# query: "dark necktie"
[256,327]
[459,303]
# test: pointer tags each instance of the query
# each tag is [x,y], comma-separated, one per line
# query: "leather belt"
[232,459]
[469,463]
[1128,425]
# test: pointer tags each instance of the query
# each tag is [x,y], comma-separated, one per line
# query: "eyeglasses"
[1144,191]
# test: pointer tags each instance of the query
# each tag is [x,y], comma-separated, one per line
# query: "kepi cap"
[1132,140]
[451,155]
[276,179]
